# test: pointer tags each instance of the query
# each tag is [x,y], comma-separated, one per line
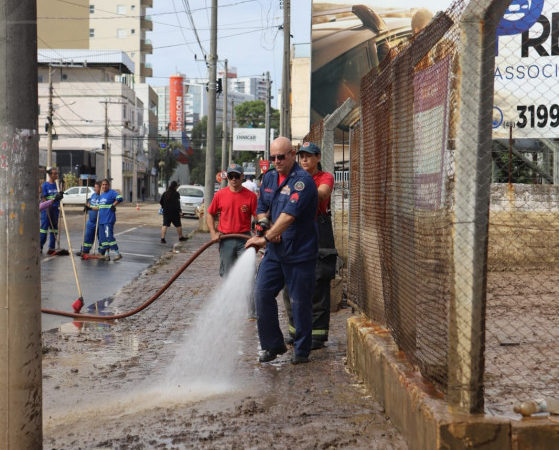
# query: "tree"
[197,161]
[253,115]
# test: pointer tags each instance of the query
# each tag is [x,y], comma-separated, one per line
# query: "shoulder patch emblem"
[299,186]
[286,190]
[294,198]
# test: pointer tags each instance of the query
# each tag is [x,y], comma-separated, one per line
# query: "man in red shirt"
[236,206]
[309,157]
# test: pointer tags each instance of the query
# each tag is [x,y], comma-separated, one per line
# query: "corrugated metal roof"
[84,56]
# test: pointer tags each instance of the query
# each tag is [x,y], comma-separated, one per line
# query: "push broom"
[78,303]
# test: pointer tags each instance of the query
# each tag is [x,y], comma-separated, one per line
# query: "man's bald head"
[281,147]
[281,143]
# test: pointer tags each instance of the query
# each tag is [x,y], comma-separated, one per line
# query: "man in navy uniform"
[288,198]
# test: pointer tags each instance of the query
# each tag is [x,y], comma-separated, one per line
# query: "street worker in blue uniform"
[288,198]
[49,215]
[107,218]
[92,206]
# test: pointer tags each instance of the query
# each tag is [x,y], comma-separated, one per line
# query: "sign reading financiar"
[527,70]
[249,139]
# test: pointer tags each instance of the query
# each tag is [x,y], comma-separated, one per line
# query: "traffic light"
[219,87]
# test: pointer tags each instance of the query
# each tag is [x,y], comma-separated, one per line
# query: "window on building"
[124,111]
[91,9]
[92,32]
[120,9]
[132,31]
[40,79]
[64,77]
[121,33]
[132,7]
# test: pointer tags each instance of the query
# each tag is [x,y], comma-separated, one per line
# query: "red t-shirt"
[323,178]
[235,208]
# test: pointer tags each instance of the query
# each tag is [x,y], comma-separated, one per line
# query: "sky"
[248,37]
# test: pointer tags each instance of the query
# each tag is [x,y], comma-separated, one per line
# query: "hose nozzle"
[262,226]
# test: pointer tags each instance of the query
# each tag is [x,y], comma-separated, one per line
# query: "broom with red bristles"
[78,303]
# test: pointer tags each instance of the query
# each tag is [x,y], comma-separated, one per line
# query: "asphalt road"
[138,237]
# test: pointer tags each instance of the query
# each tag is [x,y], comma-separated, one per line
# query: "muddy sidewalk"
[104,384]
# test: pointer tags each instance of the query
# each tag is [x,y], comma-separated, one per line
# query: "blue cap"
[309,147]
[235,168]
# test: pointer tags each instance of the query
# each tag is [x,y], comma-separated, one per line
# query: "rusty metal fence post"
[472,191]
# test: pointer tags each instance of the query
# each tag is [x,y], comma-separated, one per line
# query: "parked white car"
[192,198]
[76,195]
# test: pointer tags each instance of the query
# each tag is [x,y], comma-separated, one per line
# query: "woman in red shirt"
[309,158]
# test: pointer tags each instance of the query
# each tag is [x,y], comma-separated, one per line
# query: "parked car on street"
[77,195]
[192,198]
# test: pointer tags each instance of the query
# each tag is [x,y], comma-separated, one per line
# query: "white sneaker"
[107,256]
[117,257]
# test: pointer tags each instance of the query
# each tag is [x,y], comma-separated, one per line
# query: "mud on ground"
[94,378]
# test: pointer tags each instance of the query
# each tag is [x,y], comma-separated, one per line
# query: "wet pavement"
[107,385]
[138,236]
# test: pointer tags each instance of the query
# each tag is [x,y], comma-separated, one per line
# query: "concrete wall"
[524,226]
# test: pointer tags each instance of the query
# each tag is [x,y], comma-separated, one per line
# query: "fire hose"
[154,296]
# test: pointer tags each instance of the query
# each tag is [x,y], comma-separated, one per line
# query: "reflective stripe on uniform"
[292,329]
[43,231]
[319,332]
[111,243]
[87,245]
[105,206]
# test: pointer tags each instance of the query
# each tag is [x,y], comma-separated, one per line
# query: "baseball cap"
[235,168]
[309,147]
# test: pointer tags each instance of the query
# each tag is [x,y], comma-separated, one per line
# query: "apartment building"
[92,95]
[120,25]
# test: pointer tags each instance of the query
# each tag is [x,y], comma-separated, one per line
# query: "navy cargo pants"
[298,278]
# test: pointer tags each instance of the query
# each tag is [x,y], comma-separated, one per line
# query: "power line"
[190,18]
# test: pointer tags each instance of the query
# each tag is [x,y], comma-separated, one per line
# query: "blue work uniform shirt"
[106,200]
[93,202]
[49,191]
[297,196]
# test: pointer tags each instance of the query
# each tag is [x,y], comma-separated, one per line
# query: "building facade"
[103,24]
[93,102]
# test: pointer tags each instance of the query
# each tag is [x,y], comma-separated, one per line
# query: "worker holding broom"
[49,215]
[107,218]
[91,208]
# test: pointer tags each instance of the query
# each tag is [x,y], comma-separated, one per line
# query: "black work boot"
[270,355]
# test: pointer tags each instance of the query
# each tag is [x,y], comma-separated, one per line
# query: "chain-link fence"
[454,232]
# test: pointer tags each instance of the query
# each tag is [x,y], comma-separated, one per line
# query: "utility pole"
[224,126]
[232,124]
[106,155]
[267,118]
[210,132]
[21,419]
[49,121]
[285,117]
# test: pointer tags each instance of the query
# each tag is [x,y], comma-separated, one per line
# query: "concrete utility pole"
[285,117]
[232,125]
[50,122]
[267,118]
[107,159]
[210,132]
[224,126]
[21,419]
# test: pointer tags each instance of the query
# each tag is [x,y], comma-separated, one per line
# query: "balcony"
[146,46]
[146,70]
[147,3]
[146,23]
